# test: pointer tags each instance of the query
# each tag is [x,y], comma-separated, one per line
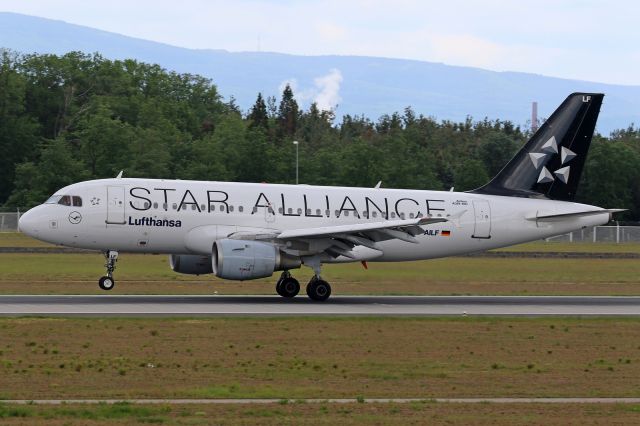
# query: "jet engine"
[190,264]
[247,260]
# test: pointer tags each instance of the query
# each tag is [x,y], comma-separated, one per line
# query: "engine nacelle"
[248,260]
[191,264]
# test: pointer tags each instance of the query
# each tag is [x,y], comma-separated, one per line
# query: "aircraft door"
[482,212]
[115,205]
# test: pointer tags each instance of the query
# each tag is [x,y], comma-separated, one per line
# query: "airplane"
[244,231]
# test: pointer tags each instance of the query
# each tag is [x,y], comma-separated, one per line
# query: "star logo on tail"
[539,159]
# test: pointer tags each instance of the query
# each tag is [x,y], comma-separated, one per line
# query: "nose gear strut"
[107,282]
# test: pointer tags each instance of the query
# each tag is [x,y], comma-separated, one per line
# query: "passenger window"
[290,210]
[393,215]
[65,200]
[346,213]
[318,212]
[299,211]
[77,201]
[193,207]
[375,214]
[411,215]
[164,206]
[213,207]
[280,210]
[202,207]
[147,204]
[175,206]
[155,205]
[240,209]
[337,213]
[230,208]
[327,213]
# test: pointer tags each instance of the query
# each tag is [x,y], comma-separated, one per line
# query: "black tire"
[288,287]
[318,290]
[106,283]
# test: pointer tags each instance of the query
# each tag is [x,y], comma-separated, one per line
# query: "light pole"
[296,144]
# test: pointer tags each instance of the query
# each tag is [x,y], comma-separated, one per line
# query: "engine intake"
[247,260]
[191,264]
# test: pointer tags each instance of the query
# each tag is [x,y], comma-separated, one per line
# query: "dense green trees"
[74,117]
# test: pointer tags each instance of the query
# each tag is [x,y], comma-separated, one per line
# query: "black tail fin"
[551,162]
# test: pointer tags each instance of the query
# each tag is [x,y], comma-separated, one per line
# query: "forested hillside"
[68,118]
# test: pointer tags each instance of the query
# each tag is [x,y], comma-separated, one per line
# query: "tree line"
[74,117]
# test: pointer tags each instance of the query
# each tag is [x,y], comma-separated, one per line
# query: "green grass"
[563,247]
[39,273]
[120,410]
[324,413]
[292,358]
[149,274]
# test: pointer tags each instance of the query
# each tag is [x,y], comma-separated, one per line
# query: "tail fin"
[551,162]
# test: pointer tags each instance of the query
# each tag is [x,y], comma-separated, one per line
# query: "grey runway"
[184,305]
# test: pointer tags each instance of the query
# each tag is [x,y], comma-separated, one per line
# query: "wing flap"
[356,228]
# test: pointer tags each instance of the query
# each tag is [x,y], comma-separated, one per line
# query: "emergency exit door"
[482,212]
[115,205]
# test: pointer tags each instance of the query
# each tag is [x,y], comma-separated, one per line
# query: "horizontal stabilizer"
[563,216]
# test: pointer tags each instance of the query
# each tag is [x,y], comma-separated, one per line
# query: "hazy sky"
[582,39]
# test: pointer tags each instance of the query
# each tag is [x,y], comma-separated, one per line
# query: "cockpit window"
[53,199]
[65,200]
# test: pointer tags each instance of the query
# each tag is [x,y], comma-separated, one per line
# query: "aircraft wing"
[340,240]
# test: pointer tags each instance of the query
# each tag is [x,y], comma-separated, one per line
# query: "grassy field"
[44,273]
[150,274]
[318,358]
[324,414]
[17,239]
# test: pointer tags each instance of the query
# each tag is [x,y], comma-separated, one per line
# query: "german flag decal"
[446,233]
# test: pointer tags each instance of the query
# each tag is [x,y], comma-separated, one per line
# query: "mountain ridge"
[359,85]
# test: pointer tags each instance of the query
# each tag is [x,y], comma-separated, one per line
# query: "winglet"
[378,185]
[119,175]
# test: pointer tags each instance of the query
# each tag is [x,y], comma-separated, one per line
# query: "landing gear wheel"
[318,289]
[106,283]
[288,287]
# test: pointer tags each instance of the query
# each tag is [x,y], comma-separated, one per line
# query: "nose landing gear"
[107,282]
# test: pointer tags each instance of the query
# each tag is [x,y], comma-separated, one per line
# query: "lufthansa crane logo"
[75,218]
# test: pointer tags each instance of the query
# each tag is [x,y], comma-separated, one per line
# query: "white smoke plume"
[328,85]
[326,93]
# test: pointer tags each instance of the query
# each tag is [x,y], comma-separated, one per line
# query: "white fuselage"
[186,217]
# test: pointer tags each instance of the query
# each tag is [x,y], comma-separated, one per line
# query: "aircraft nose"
[28,223]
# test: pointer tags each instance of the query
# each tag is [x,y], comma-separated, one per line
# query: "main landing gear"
[317,289]
[107,282]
